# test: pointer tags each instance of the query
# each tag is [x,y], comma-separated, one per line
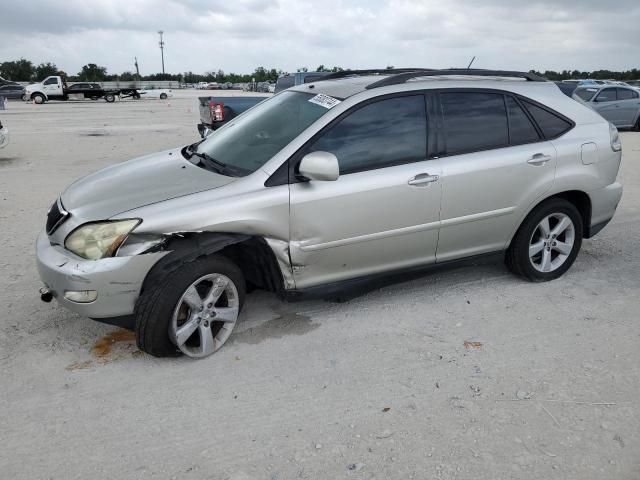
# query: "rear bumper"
[604,203]
[116,280]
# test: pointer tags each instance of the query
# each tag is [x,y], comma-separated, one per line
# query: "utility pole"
[160,32]
[137,69]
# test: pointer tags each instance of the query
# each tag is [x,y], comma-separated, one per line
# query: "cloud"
[203,35]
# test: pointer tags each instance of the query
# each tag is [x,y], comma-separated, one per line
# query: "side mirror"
[321,166]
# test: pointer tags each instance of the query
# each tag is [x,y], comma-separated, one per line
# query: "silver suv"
[328,184]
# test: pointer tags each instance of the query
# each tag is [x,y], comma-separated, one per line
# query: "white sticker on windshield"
[324,100]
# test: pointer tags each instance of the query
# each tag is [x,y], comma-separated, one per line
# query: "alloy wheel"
[552,242]
[205,315]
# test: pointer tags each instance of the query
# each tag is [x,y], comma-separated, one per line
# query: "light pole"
[160,32]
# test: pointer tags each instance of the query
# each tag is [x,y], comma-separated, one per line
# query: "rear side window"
[521,130]
[381,134]
[474,121]
[552,125]
[626,94]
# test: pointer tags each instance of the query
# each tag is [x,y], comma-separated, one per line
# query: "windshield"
[586,93]
[249,141]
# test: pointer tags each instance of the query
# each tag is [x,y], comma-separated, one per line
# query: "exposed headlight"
[99,240]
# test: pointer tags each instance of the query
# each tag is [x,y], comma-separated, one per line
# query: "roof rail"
[402,77]
[378,71]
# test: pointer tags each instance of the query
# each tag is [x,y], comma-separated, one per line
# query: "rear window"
[552,125]
[474,121]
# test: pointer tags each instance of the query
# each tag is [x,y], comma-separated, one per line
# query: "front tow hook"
[46,295]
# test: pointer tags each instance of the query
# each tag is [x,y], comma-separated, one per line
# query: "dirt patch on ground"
[116,345]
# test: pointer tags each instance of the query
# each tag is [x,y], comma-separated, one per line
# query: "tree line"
[23,70]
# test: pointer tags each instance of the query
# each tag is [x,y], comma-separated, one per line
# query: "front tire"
[110,98]
[163,96]
[38,98]
[548,241]
[192,311]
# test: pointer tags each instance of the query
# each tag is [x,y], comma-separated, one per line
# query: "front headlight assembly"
[94,241]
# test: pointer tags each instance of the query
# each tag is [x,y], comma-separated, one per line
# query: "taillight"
[616,144]
[217,111]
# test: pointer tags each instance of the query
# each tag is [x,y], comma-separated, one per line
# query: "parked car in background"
[619,105]
[7,82]
[567,87]
[288,80]
[161,93]
[315,190]
[4,136]
[12,91]
[202,85]
[216,111]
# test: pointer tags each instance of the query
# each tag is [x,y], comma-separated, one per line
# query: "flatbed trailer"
[55,88]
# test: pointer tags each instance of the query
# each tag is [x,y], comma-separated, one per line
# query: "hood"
[32,86]
[136,183]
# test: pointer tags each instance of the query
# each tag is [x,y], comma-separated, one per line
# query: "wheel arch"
[33,94]
[252,254]
[578,198]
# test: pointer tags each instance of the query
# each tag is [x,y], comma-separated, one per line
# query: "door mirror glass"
[320,166]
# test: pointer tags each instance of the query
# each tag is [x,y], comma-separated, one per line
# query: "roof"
[349,86]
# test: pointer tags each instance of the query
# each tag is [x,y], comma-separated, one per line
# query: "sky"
[240,35]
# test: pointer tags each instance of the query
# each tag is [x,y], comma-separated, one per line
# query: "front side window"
[474,121]
[626,94]
[51,81]
[607,95]
[388,132]
[247,142]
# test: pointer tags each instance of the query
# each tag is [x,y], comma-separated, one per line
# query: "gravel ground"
[463,374]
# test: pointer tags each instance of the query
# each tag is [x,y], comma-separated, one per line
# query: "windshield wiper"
[212,163]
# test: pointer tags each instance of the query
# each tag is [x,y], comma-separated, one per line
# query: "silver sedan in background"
[620,105]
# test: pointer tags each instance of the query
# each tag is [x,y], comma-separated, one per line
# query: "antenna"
[472,60]
[160,32]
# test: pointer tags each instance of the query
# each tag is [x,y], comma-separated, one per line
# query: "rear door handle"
[539,159]
[423,179]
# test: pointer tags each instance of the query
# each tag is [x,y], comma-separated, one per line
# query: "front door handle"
[539,159]
[423,179]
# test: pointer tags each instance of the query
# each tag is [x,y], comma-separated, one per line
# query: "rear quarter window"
[552,125]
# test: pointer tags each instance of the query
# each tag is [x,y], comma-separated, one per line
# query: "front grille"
[55,217]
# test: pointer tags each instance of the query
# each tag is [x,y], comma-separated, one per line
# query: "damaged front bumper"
[116,280]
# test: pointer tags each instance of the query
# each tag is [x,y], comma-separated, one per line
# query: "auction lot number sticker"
[324,100]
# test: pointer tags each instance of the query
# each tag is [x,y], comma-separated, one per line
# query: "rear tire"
[157,307]
[547,243]
[163,96]
[110,98]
